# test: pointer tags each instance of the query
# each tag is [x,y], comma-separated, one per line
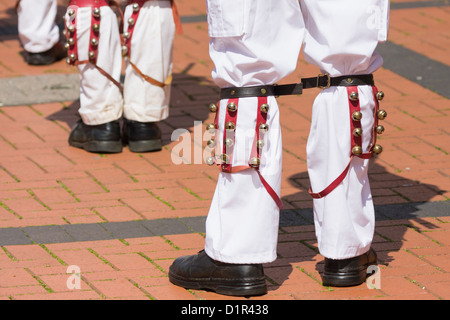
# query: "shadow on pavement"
[387,244]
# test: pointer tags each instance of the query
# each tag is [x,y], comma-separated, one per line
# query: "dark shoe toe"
[103,138]
[348,272]
[56,53]
[201,272]
[142,136]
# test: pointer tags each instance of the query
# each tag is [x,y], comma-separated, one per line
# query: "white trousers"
[151,51]
[258,42]
[38,31]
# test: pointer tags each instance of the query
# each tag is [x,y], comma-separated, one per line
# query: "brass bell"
[71,28]
[91,55]
[231,107]
[229,142]
[379,129]
[96,27]
[263,128]
[353,96]
[230,125]
[71,41]
[71,58]
[135,7]
[94,42]
[71,12]
[66,45]
[357,132]
[255,162]
[212,108]
[259,144]
[211,143]
[96,12]
[131,22]
[381,114]
[380,95]
[225,158]
[211,127]
[356,150]
[126,35]
[264,108]
[209,161]
[356,116]
[377,149]
[124,51]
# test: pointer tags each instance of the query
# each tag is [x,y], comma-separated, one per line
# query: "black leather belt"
[322,81]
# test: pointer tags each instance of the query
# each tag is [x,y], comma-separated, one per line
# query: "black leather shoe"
[348,272]
[203,273]
[102,138]
[53,55]
[141,136]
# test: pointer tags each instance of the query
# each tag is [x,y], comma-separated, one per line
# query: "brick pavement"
[123,218]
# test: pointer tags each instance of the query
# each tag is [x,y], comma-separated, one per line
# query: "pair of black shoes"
[107,137]
[201,272]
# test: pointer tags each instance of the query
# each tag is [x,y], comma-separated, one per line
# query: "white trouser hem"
[41,45]
[241,259]
[94,118]
[350,252]
[37,29]
[137,113]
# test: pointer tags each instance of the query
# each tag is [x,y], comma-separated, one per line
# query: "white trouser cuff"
[241,259]
[110,113]
[349,252]
[150,115]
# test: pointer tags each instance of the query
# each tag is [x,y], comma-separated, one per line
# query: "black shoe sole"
[99,146]
[228,288]
[346,279]
[145,145]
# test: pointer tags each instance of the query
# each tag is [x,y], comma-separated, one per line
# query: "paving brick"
[124,218]
[22,292]
[16,277]
[72,295]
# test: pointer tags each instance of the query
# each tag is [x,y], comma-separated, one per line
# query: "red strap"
[271,192]
[377,108]
[227,167]
[355,140]
[261,118]
[139,2]
[354,124]
[176,18]
[88,3]
[266,185]
[130,29]
[93,47]
[73,47]
[332,185]
[230,116]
